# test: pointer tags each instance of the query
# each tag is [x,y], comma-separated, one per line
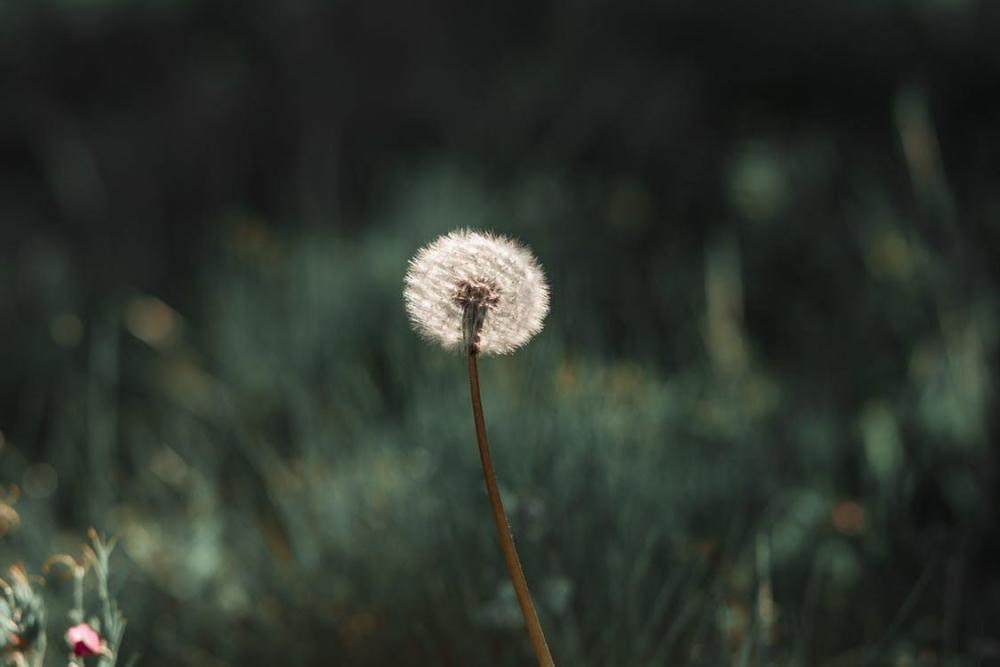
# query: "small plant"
[83,637]
[482,294]
[22,612]
[22,620]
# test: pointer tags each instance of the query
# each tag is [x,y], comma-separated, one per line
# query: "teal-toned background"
[759,428]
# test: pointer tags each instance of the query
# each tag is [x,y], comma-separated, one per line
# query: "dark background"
[759,427]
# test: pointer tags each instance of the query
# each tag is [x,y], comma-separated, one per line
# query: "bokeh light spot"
[40,480]
[66,330]
[151,321]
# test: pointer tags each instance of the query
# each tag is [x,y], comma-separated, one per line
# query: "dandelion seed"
[476,289]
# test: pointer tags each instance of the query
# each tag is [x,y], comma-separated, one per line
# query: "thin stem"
[531,623]
[76,613]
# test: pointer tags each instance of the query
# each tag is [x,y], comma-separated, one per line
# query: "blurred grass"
[695,474]
[759,428]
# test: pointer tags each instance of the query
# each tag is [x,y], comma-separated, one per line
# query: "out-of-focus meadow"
[759,428]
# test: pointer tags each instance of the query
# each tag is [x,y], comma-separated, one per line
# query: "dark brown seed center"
[476,297]
[477,293]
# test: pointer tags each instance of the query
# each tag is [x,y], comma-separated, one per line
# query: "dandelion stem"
[531,623]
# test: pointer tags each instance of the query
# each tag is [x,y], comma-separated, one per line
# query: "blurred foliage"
[759,428]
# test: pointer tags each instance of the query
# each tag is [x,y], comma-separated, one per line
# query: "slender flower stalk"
[531,622]
[483,294]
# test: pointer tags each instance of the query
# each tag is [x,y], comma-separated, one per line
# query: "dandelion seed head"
[495,276]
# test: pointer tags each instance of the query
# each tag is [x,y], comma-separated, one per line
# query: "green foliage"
[294,478]
[759,427]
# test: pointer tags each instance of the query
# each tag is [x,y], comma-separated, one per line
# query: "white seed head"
[491,279]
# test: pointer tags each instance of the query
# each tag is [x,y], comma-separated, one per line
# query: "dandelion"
[492,281]
[482,294]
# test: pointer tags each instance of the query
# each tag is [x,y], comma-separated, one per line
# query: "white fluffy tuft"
[439,270]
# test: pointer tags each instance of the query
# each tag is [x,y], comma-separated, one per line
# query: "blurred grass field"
[759,427]
[293,476]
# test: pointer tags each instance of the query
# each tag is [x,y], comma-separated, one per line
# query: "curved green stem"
[531,623]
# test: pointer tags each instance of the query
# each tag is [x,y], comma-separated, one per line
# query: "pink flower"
[84,640]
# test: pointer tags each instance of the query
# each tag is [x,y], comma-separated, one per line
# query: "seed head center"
[476,297]
[478,294]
